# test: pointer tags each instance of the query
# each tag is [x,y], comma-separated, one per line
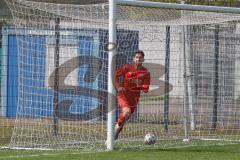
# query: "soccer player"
[135,78]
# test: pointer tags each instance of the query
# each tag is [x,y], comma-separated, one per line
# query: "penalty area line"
[19,156]
[47,154]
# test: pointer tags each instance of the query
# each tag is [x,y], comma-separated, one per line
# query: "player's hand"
[121,89]
[145,88]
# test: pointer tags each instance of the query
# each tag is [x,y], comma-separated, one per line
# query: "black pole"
[216,77]
[56,76]
[166,97]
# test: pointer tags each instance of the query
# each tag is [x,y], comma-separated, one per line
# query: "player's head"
[138,57]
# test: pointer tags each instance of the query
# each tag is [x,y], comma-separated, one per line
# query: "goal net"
[192,56]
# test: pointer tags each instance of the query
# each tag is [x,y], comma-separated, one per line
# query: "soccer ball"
[150,139]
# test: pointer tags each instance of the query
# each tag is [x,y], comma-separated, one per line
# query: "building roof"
[4,10]
[6,14]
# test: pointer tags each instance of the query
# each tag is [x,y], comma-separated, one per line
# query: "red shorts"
[132,109]
[124,103]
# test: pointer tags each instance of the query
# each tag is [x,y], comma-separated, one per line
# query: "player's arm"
[118,73]
[146,82]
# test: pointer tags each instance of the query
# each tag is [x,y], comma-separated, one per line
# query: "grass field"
[129,150]
[217,152]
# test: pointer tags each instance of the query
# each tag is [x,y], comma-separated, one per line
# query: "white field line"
[47,154]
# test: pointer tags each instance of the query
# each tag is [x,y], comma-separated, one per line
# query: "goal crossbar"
[178,6]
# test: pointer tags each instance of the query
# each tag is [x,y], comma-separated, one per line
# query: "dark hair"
[139,52]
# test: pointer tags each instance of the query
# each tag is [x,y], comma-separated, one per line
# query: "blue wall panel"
[32,71]
[32,60]
[36,98]
[12,80]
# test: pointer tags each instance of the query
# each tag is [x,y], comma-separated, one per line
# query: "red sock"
[121,119]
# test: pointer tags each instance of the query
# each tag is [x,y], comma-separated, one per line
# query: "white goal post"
[112,27]
[112,63]
[68,54]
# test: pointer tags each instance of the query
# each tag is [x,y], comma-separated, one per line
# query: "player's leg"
[123,117]
[126,112]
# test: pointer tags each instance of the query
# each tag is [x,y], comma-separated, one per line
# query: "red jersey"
[134,81]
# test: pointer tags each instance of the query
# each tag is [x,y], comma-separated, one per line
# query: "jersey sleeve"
[146,82]
[118,73]
[145,77]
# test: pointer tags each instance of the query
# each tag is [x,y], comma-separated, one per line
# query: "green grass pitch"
[217,152]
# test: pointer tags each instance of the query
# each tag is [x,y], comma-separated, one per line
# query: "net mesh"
[192,56]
